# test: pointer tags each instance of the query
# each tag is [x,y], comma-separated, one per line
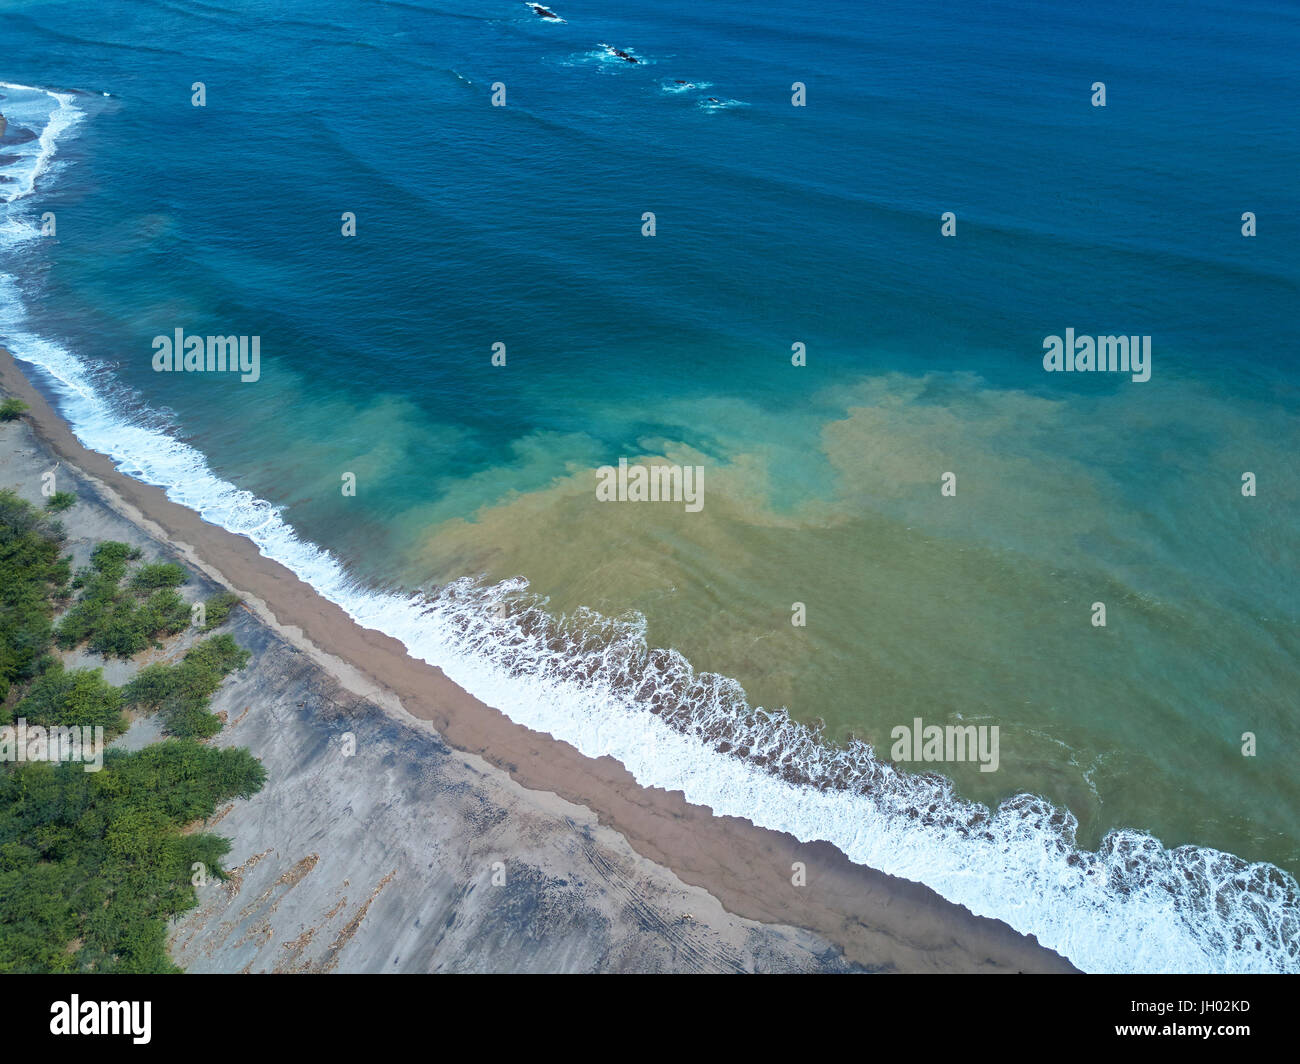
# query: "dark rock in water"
[627,57]
[17,136]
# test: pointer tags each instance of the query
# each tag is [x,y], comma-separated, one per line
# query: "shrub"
[165,611]
[114,621]
[182,691]
[12,409]
[218,608]
[31,571]
[159,575]
[73,698]
[110,557]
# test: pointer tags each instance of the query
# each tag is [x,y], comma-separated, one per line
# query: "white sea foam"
[592,681]
[30,108]
[718,104]
[686,86]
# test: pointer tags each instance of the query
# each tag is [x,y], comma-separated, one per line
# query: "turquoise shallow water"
[775,225]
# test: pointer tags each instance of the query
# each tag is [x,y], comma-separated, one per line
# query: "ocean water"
[1123,826]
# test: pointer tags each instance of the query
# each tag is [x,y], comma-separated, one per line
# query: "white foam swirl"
[56,113]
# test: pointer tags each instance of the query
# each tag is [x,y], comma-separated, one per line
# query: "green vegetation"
[121,622]
[32,572]
[72,697]
[157,577]
[93,864]
[60,501]
[12,409]
[218,608]
[181,692]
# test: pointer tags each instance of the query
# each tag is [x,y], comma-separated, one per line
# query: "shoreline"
[877,921]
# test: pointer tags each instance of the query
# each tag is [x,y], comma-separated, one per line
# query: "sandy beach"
[453,839]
